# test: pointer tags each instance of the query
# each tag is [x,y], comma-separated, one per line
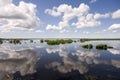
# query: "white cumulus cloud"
[38,31]
[53,12]
[114,27]
[64,30]
[68,13]
[93,1]
[98,15]
[22,16]
[116,14]
[86,32]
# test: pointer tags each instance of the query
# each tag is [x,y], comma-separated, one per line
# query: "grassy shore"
[100,38]
[56,41]
[97,39]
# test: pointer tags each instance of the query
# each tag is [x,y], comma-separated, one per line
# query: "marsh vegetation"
[87,46]
[98,46]
[15,41]
[97,39]
[58,41]
[103,47]
[31,41]
[41,40]
[1,41]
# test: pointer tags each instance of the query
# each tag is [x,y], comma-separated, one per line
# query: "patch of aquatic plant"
[81,40]
[110,47]
[84,40]
[75,41]
[15,41]
[41,40]
[31,41]
[103,47]
[87,46]
[57,42]
[1,41]
[98,46]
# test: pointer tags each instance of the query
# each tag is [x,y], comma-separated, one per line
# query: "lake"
[39,61]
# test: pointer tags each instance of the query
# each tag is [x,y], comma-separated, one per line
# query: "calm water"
[39,61]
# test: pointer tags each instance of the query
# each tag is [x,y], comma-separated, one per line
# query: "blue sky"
[60,18]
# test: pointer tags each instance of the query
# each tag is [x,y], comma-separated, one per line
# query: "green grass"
[98,46]
[97,39]
[87,46]
[110,47]
[58,41]
[41,40]
[1,41]
[103,47]
[15,41]
[81,40]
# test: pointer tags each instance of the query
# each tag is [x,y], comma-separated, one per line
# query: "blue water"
[39,61]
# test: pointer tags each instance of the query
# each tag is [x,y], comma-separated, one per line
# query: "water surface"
[39,61]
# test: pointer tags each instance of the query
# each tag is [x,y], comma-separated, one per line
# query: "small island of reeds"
[98,46]
[103,47]
[15,41]
[87,46]
[58,41]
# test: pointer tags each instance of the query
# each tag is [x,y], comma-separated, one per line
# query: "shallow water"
[39,61]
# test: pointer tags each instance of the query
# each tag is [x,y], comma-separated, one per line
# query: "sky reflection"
[59,60]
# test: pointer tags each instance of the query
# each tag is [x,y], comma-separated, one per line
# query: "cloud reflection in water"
[22,59]
[85,58]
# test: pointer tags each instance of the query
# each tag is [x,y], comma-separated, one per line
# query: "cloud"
[109,30]
[22,16]
[86,21]
[53,27]
[114,27]
[114,31]
[90,20]
[52,12]
[76,31]
[98,15]
[85,32]
[103,31]
[63,31]
[38,31]
[93,1]
[116,14]
[68,13]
